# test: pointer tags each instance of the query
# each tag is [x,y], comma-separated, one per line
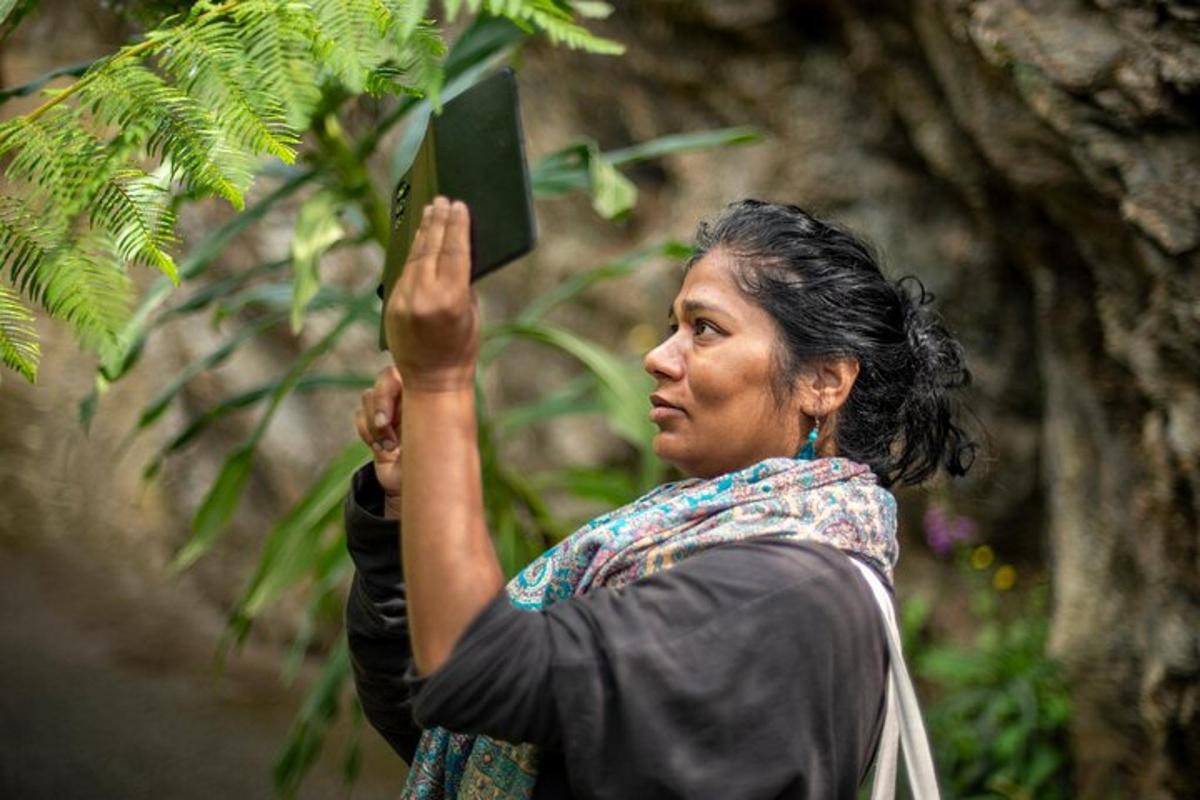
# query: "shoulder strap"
[902,715]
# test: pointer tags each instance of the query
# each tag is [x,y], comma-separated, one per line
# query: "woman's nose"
[663,361]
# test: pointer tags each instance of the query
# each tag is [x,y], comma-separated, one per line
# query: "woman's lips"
[660,413]
[662,410]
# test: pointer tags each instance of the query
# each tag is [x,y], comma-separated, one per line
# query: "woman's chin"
[664,447]
[667,448]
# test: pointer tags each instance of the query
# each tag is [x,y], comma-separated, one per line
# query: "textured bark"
[1071,131]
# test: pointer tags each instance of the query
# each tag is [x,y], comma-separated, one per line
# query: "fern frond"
[277,38]
[388,79]
[25,241]
[170,125]
[52,153]
[77,280]
[136,212]
[417,70]
[88,288]
[557,23]
[18,340]
[350,38]
[209,65]
[207,95]
[407,15]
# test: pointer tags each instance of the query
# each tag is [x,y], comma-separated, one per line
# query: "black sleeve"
[377,615]
[752,670]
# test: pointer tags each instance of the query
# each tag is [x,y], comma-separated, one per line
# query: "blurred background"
[171,567]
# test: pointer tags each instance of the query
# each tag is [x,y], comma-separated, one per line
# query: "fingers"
[441,250]
[420,245]
[434,225]
[454,262]
[380,411]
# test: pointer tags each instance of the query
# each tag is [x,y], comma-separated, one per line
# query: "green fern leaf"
[24,244]
[78,281]
[136,211]
[278,40]
[52,153]
[557,23]
[407,15]
[18,339]
[171,125]
[349,39]
[88,288]
[207,95]
[209,65]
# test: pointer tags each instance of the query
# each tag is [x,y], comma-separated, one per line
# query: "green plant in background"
[188,113]
[197,105]
[1000,707]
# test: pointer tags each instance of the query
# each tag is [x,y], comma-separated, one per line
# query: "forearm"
[450,565]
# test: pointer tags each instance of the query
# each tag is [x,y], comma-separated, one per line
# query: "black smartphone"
[473,151]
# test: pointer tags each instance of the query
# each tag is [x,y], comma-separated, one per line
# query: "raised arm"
[432,326]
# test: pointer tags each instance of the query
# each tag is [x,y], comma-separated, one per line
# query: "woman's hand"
[378,424]
[432,317]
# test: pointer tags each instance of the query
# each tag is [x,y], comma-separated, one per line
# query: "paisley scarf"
[831,500]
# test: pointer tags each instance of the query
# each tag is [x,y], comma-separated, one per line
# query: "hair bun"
[940,368]
[939,358]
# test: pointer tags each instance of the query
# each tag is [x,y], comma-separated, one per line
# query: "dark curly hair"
[824,289]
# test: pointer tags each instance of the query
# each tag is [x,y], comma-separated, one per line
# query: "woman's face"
[715,369]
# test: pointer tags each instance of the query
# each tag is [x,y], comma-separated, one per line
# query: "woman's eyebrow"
[692,306]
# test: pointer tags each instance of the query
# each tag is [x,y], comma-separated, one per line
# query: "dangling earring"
[809,451]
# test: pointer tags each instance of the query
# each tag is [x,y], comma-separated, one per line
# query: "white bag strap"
[902,715]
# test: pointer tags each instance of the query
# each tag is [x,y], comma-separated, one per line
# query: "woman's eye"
[703,323]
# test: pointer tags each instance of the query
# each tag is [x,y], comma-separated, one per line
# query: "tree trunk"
[1071,130]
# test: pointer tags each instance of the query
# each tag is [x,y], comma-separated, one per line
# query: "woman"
[715,638]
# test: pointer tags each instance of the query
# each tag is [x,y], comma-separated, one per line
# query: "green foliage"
[308,729]
[580,166]
[553,18]
[207,95]
[11,12]
[18,339]
[317,229]
[999,719]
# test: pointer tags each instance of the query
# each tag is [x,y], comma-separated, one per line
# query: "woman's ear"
[825,386]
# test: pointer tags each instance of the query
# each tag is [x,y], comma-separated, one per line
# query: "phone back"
[473,151]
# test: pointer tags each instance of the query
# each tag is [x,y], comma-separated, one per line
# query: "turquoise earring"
[809,451]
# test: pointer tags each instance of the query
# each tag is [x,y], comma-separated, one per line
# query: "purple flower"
[943,531]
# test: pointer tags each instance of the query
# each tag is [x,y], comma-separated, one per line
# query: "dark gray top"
[751,670]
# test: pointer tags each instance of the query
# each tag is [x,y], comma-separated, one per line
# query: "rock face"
[1076,147]
[1039,163]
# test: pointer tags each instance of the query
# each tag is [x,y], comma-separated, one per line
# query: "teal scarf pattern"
[835,501]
